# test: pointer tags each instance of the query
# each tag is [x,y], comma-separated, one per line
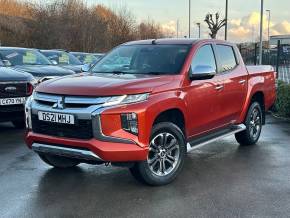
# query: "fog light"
[129,123]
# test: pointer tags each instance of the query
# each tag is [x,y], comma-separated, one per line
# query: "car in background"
[31,61]
[63,59]
[88,58]
[15,87]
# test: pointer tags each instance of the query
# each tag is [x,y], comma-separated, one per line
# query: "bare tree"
[71,25]
[149,30]
[214,25]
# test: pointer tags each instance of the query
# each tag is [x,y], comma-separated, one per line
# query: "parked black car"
[31,61]
[63,59]
[15,87]
[88,58]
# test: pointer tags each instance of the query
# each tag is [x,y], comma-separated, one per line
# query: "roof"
[163,42]
[15,48]
[172,41]
[53,50]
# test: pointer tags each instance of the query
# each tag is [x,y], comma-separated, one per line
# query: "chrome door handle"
[219,87]
[242,81]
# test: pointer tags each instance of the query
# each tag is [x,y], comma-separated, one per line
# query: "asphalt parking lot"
[219,180]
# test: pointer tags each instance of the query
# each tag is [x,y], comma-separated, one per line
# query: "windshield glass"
[62,57]
[23,57]
[85,58]
[143,59]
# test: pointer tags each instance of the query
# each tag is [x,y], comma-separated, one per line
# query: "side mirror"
[54,62]
[201,72]
[6,63]
[86,68]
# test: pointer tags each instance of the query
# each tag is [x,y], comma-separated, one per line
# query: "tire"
[19,124]
[58,161]
[253,123]
[166,156]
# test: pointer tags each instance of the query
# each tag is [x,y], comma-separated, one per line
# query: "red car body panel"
[204,108]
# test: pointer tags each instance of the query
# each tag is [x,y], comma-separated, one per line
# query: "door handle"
[219,87]
[242,81]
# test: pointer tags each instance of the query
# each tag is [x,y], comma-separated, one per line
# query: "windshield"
[143,59]
[85,58]
[23,57]
[61,57]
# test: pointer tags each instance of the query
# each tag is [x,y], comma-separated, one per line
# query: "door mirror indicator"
[201,72]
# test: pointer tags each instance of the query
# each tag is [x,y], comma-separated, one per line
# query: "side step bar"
[65,152]
[204,140]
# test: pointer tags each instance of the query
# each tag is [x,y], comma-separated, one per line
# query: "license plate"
[56,117]
[12,101]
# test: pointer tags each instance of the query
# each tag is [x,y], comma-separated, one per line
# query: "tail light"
[29,89]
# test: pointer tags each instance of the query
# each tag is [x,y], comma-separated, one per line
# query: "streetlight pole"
[189,17]
[226,26]
[261,33]
[269,20]
[177,28]
[198,25]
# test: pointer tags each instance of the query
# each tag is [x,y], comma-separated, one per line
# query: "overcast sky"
[243,15]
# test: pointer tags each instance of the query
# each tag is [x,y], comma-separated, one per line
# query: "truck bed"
[259,69]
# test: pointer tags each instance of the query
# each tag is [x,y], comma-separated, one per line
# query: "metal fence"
[278,56]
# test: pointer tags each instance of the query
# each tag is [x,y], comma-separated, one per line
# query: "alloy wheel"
[255,123]
[164,152]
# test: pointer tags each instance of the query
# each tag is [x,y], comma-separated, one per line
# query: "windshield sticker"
[64,58]
[12,55]
[89,59]
[29,58]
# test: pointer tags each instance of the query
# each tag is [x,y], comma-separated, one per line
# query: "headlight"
[126,99]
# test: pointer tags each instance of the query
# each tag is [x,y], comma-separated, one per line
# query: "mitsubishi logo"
[59,104]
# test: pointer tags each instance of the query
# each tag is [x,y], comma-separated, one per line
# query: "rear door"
[234,77]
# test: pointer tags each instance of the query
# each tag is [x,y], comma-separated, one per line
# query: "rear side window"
[204,57]
[227,57]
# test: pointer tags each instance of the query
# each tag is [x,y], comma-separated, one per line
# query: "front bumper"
[109,143]
[106,151]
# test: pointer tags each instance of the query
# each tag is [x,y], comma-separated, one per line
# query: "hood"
[75,68]
[103,84]
[44,70]
[7,75]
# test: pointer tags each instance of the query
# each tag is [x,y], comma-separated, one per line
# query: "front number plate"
[56,117]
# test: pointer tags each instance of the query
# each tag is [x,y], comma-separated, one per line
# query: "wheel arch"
[260,98]
[256,96]
[174,115]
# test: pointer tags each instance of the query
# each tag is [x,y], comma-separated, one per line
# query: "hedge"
[282,105]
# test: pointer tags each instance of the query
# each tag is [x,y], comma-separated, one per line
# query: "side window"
[227,57]
[204,57]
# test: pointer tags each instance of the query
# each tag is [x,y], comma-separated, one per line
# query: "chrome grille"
[68,101]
